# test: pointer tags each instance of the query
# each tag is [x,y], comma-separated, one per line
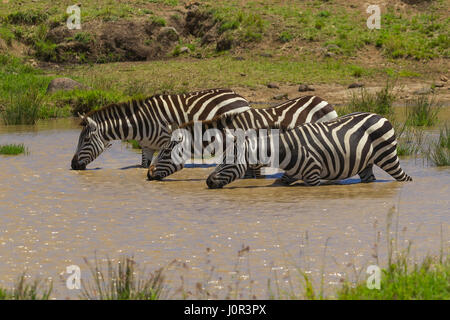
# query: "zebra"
[332,150]
[148,120]
[288,114]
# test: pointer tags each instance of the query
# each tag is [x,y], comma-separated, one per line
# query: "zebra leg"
[392,166]
[147,156]
[252,173]
[367,174]
[285,180]
[312,179]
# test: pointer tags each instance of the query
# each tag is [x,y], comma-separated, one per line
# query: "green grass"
[159,21]
[423,111]
[379,102]
[6,34]
[22,108]
[439,152]
[13,149]
[428,280]
[24,290]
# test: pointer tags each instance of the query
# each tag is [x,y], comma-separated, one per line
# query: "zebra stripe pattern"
[147,121]
[288,115]
[332,150]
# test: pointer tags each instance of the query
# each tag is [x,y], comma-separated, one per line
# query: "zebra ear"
[91,123]
[83,119]
[172,127]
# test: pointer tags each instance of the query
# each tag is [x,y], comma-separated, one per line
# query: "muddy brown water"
[51,217]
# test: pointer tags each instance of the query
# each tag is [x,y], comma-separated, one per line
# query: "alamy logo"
[74,280]
[235,146]
[374,280]
[374,20]
[74,20]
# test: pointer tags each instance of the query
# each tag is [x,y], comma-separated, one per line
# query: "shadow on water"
[132,167]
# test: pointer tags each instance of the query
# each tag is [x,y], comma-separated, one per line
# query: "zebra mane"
[133,101]
[227,118]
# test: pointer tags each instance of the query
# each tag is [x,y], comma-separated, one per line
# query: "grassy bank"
[226,44]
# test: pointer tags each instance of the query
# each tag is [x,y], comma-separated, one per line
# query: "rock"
[266,55]
[64,84]
[184,50]
[224,44]
[239,58]
[356,85]
[304,88]
[243,74]
[423,91]
[444,78]
[281,96]
[439,85]
[273,86]
[168,34]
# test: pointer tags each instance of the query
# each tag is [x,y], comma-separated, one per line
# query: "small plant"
[356,71]
[83,37]
[286,36]
[439,152]
[159,21]
[23,290]
[121,281]
[423,111]
[13,149]
[134,144]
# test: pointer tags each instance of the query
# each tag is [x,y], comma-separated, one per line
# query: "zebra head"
[226,173]
[163,165]
[90,144]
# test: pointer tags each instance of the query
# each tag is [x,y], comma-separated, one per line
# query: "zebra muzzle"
[212,184]
[151,174]
[76,165]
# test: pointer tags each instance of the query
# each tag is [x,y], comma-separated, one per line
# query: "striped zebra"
[288,114]
[332,150]
[148,120]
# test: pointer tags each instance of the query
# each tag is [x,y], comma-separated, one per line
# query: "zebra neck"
[137,120]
